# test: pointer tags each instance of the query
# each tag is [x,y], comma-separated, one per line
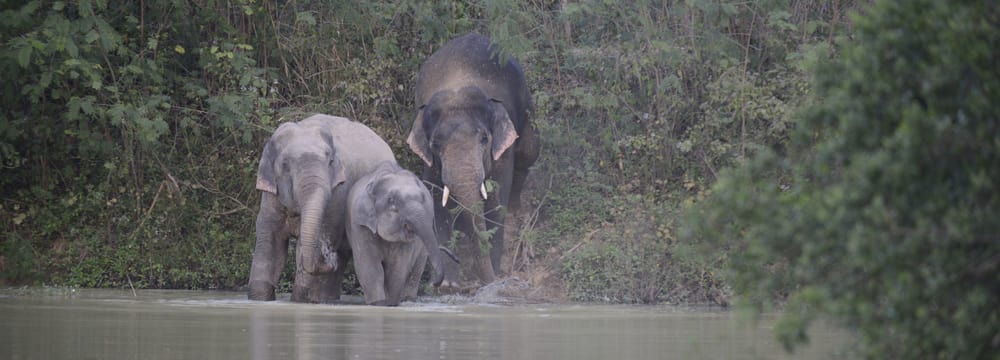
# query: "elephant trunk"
[469,197]
[312,211]
[425,230]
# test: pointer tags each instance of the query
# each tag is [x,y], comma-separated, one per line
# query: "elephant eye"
[483,138]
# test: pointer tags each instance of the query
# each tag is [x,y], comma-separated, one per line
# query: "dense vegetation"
[884,209]
[130,133]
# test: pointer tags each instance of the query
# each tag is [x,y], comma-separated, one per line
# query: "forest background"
[130,133]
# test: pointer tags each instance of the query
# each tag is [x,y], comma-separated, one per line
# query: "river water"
[57,323]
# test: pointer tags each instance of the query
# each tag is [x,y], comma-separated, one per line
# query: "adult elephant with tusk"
[306,170]
[474,133]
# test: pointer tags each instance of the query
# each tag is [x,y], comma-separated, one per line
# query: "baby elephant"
[387,210]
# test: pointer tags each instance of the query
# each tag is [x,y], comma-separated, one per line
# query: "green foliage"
[883,212]
[650,100]
[130,131]
[637,259]
[114,132]
[16,259]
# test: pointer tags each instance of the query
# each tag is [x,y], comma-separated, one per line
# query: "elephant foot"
[450,281]
[304,294]
[260,291]
[385,302]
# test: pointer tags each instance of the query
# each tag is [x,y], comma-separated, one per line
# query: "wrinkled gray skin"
[390,225]
[306,170]
[473,125]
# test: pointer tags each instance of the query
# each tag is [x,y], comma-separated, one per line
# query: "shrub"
[883,213]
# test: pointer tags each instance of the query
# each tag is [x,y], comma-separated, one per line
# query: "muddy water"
[111,324]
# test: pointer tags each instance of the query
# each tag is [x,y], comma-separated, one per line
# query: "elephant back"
[359,148]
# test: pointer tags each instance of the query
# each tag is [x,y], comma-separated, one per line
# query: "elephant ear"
[265,171]
[418,139]
[337,173]
[503,130]
[363,212]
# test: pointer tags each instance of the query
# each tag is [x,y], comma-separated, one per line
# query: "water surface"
[161,324]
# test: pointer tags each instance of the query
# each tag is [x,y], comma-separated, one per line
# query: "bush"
[642,105]
[635,258]
[883,213]
[126,143]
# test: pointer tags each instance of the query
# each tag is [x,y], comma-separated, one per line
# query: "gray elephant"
[390,225]
[305,173]
[473,130]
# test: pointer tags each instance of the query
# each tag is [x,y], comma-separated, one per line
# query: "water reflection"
[170,324]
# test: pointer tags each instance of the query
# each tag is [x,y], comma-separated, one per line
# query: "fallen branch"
[130,284]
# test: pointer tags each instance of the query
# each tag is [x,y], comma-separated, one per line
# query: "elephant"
[473,130]
[306,171]
[386,211]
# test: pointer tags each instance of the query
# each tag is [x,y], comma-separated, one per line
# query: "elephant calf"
[387,210]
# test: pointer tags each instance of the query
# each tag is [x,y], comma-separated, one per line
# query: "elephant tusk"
[482,190]
[449,253]
[444,198]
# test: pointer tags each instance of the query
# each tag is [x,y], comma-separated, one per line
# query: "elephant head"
[398,208]
[299,165]
[463,132]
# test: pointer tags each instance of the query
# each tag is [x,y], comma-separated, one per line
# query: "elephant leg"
[270,250]
[399,269]
[280,254]
[371,275]
[316,289]
[306,286]
[444,223]
[526,151]
[337,278]
[368,256]
[322,288]
[416,271]
[469,248]
[495,218]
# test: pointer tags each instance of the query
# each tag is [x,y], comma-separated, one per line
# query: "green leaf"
[24,56]
[92,36]
[87,105]
[71,48]
[85,8]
